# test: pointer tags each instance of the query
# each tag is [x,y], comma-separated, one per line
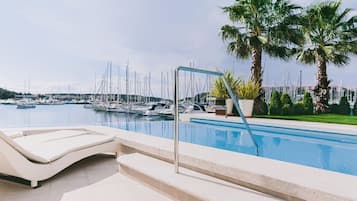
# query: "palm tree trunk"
[256,69]
[322,88]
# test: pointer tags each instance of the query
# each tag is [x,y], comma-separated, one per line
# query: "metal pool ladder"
[235,99]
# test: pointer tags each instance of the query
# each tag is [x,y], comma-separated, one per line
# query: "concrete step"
[115,188]
[187,185]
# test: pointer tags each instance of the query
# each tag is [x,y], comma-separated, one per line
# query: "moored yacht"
[170,112]
[154,109]
[25,104]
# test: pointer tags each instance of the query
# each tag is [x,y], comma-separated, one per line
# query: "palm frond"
[278,51]
[307,56]
[329,34]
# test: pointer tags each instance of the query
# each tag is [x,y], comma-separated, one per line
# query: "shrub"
[308,103]
[275,104]
[287,109]
[287,104]
[248,90]
[260,107]
[299,108]
[285,99]
[334,108]
[344,107]
[354,111]
[220,90]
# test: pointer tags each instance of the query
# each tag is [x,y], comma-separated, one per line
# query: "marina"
[219,100]
[59,115]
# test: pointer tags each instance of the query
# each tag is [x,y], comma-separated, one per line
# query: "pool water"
[330,151]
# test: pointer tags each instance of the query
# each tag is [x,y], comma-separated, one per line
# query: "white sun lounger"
[39,154]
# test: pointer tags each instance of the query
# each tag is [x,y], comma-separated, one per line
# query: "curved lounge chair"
[36,155]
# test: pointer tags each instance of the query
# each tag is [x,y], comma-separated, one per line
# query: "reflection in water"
[60,115]
[325,152]
[301,150]
[276,141]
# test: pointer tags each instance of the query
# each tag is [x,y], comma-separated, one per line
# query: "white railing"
[235,99]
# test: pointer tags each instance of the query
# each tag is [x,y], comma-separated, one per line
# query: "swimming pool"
[326,150]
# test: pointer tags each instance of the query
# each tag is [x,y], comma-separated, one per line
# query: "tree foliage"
[344,106]
[6,94]
[299,108]
[308,103]
[285,99]
[330,37]
[275,104]
[264,25]
[260,107]
[287,104]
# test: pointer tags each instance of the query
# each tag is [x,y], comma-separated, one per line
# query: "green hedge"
[285,99]
[260,107]
[287,109]
[299,108]
[334,108]
[281,104]
[308,103]
[342,108]
[287,104]
[275,104]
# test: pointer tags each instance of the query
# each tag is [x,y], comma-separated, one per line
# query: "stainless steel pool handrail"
[235,99]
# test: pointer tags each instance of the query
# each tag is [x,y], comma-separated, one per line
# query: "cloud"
[63,44]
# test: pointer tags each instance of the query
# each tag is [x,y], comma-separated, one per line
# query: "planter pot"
[246,106]
[220,107]
[220,101]
[229,106]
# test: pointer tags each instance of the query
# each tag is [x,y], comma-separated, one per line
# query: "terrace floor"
[81,174]
[94,169]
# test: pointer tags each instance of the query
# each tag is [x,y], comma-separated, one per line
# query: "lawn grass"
[323,118]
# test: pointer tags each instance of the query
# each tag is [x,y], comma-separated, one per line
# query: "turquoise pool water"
[330,151]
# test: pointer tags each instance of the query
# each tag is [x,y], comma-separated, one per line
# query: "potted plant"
[247,92]
[220,91]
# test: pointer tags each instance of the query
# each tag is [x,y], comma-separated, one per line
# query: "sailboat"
[26,102]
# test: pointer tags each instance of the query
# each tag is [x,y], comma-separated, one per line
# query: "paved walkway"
[83,173]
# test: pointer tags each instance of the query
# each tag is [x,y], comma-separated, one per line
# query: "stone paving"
[83,173]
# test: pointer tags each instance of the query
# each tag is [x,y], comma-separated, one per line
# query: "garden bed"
[323,118]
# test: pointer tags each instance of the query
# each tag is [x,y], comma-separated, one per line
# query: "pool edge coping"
[283,180]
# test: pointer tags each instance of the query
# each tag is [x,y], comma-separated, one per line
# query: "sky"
[64,46]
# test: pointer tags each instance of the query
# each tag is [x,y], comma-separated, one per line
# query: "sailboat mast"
[110,82]
[168,84]
[95,87]
[118,90]
[161,92]
[127,84]
[192,84]
[106,84]
[135,97]
[149,87]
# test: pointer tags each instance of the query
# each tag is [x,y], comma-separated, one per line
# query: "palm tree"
[261,25]
[330,38]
